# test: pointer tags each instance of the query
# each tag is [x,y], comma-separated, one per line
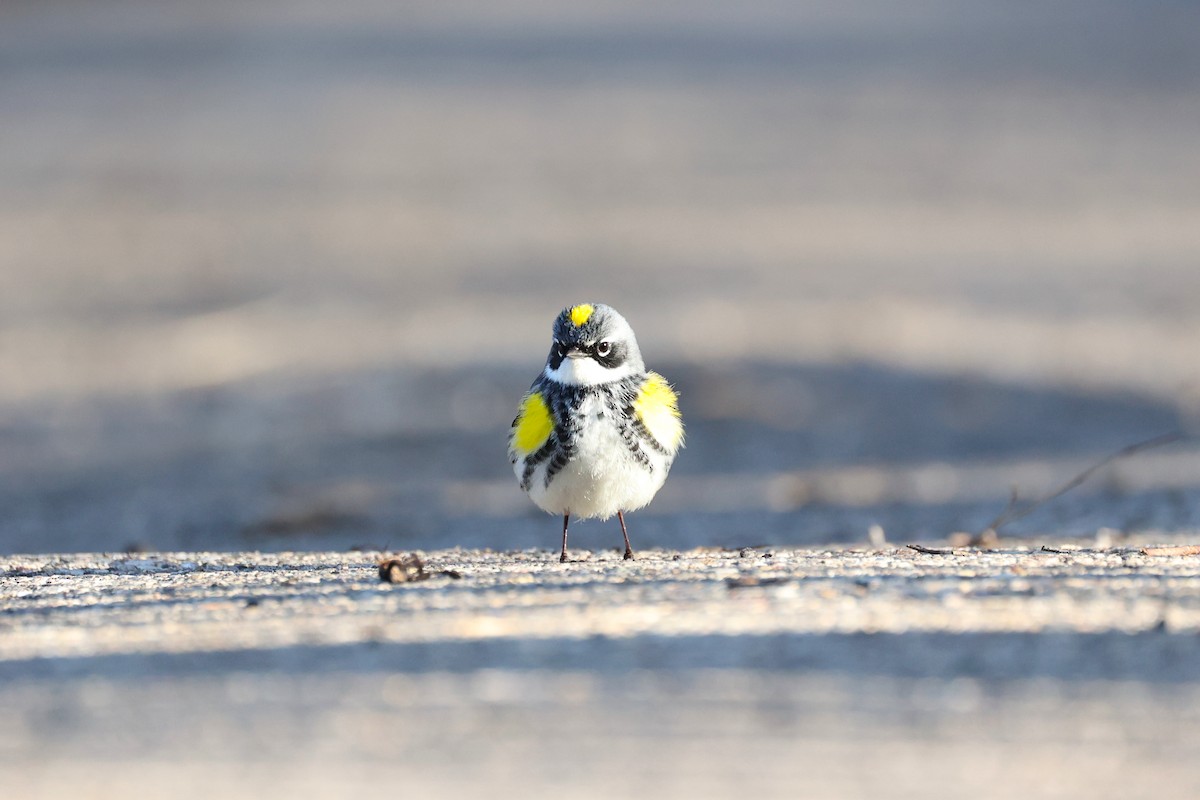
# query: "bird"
[596,433]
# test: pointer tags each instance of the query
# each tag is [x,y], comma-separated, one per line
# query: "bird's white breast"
[602,477]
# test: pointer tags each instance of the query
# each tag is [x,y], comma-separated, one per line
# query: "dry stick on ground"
[1173,550]
[1015,511]
[931,551]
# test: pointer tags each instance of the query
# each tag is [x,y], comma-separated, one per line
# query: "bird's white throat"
[586,372]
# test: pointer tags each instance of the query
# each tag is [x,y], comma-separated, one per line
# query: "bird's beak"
[575,352]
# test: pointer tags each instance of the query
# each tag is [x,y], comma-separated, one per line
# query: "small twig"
[932,551]
[1014,499]
[1015,511]
[1173,550]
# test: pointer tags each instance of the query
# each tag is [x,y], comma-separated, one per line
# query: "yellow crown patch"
[580,314]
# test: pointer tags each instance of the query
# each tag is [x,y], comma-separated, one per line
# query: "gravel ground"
[780,672]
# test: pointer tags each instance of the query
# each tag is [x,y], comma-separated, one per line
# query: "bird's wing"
[657,408]
[532,427]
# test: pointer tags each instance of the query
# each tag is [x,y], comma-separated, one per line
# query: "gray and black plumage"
[596,433]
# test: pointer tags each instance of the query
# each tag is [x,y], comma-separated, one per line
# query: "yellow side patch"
[658,408]
[580,314]
[534,424]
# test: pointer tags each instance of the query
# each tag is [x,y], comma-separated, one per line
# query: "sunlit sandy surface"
[778,672]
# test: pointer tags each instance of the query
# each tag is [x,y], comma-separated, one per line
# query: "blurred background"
[275,274]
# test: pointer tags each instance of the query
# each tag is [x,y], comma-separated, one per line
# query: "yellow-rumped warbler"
[596,433]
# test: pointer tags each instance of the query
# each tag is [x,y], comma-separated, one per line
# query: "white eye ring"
[603,348]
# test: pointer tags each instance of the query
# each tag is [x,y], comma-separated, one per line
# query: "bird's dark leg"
[563,557]
[628,549]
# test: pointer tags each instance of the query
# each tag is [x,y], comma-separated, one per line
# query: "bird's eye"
[560,349]
[603,348]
